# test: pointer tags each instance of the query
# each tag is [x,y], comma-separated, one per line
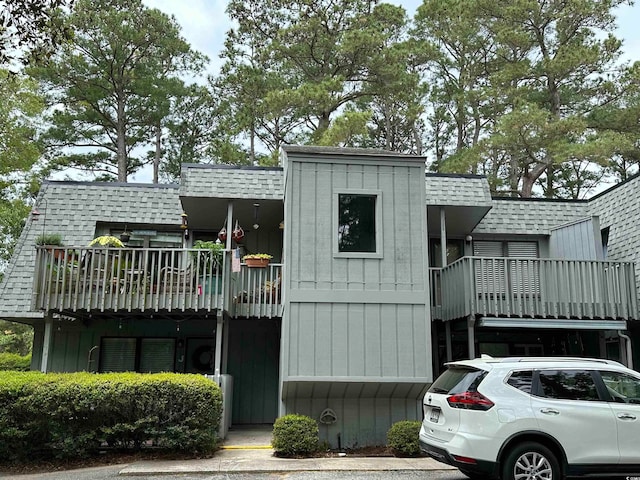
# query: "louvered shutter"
[523,275]
[157,355]
[118,355]
[489,270]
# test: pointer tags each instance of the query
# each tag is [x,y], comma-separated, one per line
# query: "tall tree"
[621,120]
[109,86]
[295,66]
[461,57]
[551,91]
[20,112]
[514,86]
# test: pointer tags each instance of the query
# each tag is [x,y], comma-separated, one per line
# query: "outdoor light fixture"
[256,225]
[184,226]
[35,215]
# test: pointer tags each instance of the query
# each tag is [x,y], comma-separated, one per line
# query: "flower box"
[256,262]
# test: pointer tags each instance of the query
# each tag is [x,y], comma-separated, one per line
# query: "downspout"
[629,352]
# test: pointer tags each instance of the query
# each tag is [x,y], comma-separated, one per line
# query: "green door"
[254,352]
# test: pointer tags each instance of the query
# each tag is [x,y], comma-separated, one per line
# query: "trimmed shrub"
[13,361]
[295,435]
[402,438]
[74,414]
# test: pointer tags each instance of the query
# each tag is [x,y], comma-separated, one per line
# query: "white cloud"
[204,24]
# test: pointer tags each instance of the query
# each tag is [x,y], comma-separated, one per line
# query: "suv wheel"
[531,461]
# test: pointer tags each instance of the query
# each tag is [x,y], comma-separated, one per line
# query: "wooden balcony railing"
[76,280]
[535,287]
[257,292]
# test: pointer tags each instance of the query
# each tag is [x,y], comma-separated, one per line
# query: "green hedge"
[403,438]
[295,435]
[13,361]
[75,414]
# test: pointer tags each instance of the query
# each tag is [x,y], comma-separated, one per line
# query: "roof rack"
[559,359]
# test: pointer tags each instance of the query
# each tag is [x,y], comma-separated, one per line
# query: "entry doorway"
[253,362]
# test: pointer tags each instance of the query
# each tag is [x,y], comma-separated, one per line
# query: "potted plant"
[50,241]
[107,241]
[257,260]
[207,257]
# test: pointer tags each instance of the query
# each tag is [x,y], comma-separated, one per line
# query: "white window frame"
[378,216]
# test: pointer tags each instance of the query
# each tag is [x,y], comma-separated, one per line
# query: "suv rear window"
[457,380]
[521,380]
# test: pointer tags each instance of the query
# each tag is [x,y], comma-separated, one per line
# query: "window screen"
[118,355]
[357,223]
[157,355]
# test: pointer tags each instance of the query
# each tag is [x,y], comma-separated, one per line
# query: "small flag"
[235,261]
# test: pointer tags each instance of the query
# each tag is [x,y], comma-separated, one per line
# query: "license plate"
[434,416]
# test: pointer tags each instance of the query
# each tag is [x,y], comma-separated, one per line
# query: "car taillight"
[470,401]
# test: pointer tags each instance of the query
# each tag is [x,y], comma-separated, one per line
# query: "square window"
[357,223]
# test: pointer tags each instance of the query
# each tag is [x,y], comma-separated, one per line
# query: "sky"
[204,25]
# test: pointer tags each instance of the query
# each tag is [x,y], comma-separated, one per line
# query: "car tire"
[529,461]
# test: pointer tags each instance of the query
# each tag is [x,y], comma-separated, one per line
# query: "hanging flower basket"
[257,260]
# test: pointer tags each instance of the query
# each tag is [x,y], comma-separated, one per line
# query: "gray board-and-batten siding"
[356,335]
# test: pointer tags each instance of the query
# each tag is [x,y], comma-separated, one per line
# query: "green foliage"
[106,241]
[402,438]
[114,84]
[295,435]
[291,67]
[49,239]
[15,338]
[511,98]
[72,415]
[14,361]
[211,254]
[13,214]
[20,109]
[30,30]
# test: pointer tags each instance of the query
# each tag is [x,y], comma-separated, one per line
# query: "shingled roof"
[223,181]
[457,190]
[73,210]
[530,216]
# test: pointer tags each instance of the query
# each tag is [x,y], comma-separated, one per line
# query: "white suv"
[534,418]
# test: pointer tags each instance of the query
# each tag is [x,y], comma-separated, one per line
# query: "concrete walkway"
[249,451]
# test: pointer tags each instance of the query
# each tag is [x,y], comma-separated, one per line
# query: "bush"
[295,435]
[402,438]
[13,361]
[74,414]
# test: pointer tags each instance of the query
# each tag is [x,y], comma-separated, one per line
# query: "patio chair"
[175,280]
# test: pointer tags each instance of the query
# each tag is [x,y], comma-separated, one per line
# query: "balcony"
[534,288]
[78,281]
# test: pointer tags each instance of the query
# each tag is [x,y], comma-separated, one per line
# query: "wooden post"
[46,344]
[471,337]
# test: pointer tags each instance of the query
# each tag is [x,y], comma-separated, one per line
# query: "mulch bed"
[102,459]
[108,457]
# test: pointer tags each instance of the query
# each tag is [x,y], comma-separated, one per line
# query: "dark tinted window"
[568,385]
[521,380]
[356,223]
[457,380]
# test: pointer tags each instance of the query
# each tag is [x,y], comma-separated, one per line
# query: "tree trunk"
[156,158]
[530,177]
[121,155]
[252,143]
